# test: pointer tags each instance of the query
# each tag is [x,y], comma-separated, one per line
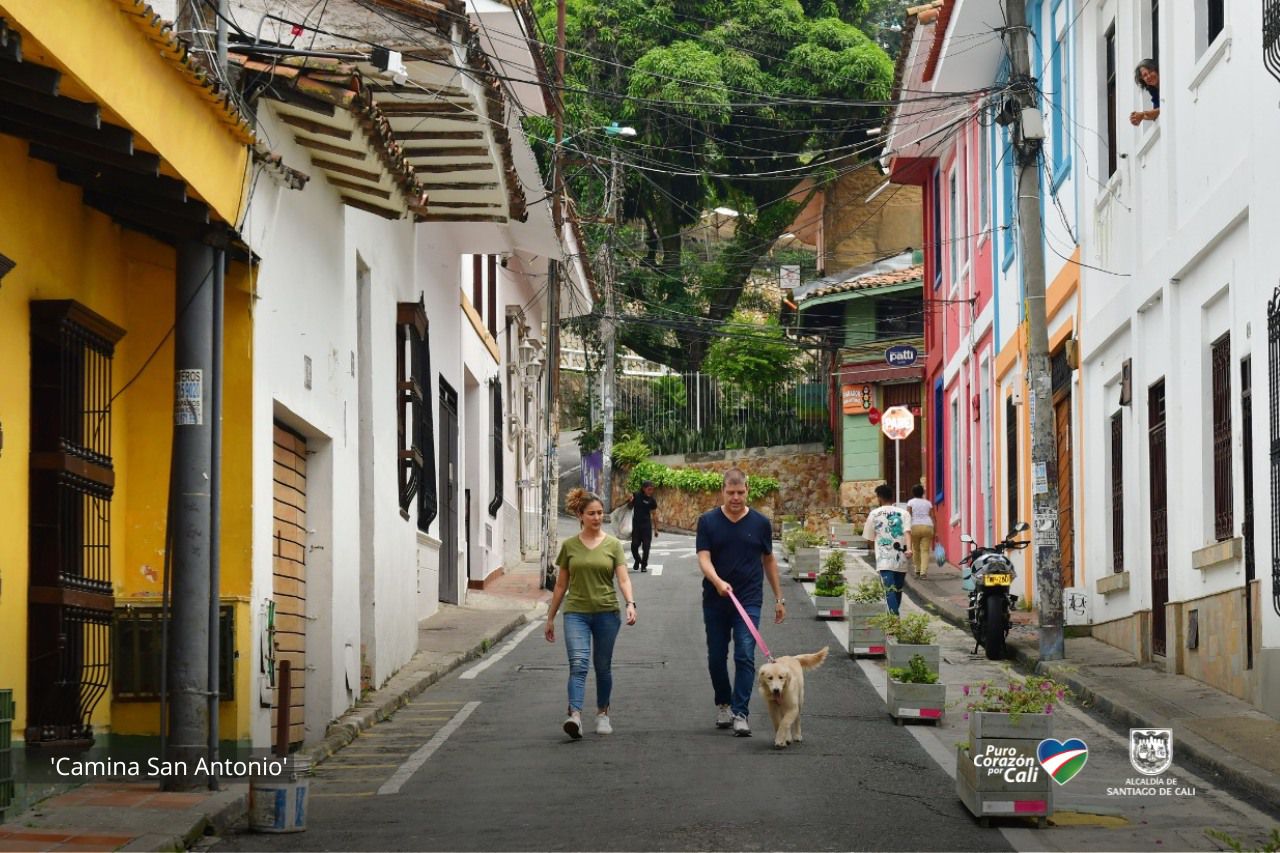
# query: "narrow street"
[478,762]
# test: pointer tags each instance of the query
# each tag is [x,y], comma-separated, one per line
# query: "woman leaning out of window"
[1147,76]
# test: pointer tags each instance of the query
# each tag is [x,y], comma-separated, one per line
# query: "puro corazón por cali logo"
[1062,760]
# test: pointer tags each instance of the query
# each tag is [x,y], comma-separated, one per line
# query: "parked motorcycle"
[988,573]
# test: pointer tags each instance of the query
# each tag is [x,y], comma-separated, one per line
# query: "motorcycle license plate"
[997,580]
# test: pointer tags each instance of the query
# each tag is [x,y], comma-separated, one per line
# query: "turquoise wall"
[861,448]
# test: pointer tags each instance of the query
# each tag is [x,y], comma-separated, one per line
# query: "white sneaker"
[573,725]
[603,726]
[724,717]
[740,726]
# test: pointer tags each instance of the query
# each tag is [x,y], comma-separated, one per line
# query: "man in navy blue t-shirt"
[735,553]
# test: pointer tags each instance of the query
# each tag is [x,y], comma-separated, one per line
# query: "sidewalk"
[138,817]
[1238,745]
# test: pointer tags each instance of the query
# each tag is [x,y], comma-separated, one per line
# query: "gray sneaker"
[724,717]
[603,726]
[573,725]
[740,726]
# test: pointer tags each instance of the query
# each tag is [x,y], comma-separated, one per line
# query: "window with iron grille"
[495,444]
[72,480]
[415,460]
[1109,104]
[136,656]
[1220,355]
[1273,405]
[1011,458]
[1117,492]
[1271,36]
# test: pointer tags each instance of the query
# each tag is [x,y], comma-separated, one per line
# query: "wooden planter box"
[865,640]
[915,701]
[900,655]
[805,564]
[830,606]
[1021,790]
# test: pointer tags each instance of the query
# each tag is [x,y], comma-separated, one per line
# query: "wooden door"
[289,574]
[1159,516]
[448,494]
[1066,523]
[906,394]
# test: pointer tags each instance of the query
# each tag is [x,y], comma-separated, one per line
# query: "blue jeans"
[580,630]
[893,585]
[722,622]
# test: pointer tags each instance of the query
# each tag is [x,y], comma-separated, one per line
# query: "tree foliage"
[753,356]
[735,104]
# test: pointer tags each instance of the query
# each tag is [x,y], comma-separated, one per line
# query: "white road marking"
[502,652]
[419,758]
[655,569]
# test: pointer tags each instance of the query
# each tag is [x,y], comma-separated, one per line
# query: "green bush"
[793,540]
[915,672]
[631,451]
[693,480]
[831,581]
[869,590]
[915,629]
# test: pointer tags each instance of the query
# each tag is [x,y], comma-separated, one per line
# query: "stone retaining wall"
[803,472]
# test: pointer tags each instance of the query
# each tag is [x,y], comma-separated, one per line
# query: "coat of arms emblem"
[1151,750]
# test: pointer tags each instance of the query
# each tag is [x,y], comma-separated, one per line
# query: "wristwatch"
[781,601]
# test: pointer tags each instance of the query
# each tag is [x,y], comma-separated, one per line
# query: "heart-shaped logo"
[1062,760]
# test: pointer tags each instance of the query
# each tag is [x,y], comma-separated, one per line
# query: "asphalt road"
[509,779]
[479,761]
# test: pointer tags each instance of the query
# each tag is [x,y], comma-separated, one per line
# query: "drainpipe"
[215,503]
[188,660]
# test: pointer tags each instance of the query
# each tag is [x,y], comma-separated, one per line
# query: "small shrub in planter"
[1017,715]
[802,546]
[913,692]
[866,602]
[830,588]
[912,635]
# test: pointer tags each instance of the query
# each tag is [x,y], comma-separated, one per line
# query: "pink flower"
[966,690]
[1060,695]
[966,715]
[982,689]
[1048,709]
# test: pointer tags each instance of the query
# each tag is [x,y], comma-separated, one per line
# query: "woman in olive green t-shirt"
[589,563]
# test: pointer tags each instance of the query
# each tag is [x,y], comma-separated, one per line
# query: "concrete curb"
[223,811]
[1211,760]
[351,724]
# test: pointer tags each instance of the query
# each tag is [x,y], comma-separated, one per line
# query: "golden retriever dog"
[782,686]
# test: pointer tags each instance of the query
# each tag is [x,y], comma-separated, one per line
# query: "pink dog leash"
[750,626]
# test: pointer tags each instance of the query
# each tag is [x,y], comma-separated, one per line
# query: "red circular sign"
[873,415]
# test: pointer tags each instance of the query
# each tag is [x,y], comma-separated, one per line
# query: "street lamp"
[613,129]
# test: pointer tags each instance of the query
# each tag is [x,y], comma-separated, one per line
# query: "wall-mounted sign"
[857,399]
[789,276]
[873,415]
[901,356]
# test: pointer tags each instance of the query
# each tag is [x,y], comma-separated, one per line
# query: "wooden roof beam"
[28,75]
[315,127]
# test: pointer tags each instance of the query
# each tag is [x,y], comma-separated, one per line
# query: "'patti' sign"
[901,356]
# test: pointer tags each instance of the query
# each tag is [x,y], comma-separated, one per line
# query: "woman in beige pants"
[923,520]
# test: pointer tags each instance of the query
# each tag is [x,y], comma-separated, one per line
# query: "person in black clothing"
[644,525]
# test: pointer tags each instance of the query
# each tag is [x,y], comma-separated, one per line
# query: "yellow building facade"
[115,150]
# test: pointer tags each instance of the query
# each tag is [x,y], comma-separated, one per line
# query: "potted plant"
[998,772]
[914,692]
[912,635]
[828,593]
[789,523]
[866,602]
[802,545]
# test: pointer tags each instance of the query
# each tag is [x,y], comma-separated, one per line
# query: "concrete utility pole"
[1028,133]
[188,655]
[551,476]
[609,330]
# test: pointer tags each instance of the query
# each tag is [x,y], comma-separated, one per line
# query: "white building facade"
[1180,339]
[404,238]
